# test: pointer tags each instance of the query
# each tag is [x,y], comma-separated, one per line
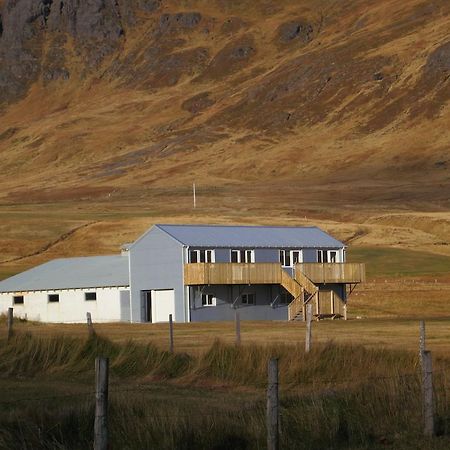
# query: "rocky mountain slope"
[144,92]
[282,105]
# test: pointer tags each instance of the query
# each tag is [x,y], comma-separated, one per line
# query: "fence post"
[170,333]
[237,320]
[427,392]
[101,404]
[89,324]
[308,338]
[272,406]
[421,340]
[10,321]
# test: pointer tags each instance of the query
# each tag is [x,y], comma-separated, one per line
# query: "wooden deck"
[333,272]
[232,273]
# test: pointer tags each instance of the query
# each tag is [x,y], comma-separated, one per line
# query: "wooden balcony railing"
[232,273]
[333,272]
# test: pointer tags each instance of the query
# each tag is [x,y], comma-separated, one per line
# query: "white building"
[64,290]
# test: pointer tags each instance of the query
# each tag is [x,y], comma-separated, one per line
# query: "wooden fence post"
[170,333]
[89,324]
[101,404]
[421,340]
[237,320]
[427,392]
[272,406]
[10,321]
[308,338]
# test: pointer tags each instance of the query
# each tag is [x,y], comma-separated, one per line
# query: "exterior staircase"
[299,287]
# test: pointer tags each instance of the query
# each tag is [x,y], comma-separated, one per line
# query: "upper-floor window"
[242,256]
[290,257]
[327,256]
[53,298]
[201,256]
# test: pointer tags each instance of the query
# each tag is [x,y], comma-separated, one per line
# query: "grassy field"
[337,396]
[396,262]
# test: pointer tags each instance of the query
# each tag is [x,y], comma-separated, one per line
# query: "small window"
[193,256]
[322,256]
[90,296]
[296,256]
[332,257]
[201,256]
[53,298]
[242,256]
[286,298]
[18,300]
[248,299]
[208,300]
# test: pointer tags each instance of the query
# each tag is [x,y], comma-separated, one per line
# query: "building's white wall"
[72,306]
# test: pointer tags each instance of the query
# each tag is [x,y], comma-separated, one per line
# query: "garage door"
[163,304]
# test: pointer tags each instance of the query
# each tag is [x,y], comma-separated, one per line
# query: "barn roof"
[251,236]
[71,273]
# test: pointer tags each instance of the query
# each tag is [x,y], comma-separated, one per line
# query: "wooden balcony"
[333,272]
[232,273]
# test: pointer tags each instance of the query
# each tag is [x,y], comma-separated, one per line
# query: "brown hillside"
[337,111]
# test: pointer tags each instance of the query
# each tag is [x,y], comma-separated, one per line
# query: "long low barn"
[64,290]
[194,273]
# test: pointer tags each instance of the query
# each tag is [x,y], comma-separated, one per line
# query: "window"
[322,256]
[248,299]
[90,296]
[242,256]
[290,257]
[208,300]
[201,256]
[18,300]
[53,298]
[286,298]
[285,258]
[327,256]
[332,256]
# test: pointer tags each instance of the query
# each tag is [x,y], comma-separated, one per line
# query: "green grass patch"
[395,262]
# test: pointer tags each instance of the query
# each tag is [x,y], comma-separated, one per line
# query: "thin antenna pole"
[195,197]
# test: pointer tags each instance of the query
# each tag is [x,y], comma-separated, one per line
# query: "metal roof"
[250,236]
[71,273]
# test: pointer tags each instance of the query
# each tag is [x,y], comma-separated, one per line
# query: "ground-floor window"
[18,300]
[248,299]
[208,300]
[53,298]
[286,298]
[90,296]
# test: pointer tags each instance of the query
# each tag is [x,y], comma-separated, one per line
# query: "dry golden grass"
[195,338]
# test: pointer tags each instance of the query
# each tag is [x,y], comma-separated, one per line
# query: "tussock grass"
[337,396]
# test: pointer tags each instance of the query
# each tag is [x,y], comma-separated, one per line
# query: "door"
[147,305]
[163,304]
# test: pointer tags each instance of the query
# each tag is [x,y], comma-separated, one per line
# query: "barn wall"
[71,308]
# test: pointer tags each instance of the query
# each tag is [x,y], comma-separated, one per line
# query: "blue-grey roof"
[251,236]
[71,273]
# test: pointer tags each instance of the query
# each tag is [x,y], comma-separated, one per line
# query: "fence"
[102,391]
